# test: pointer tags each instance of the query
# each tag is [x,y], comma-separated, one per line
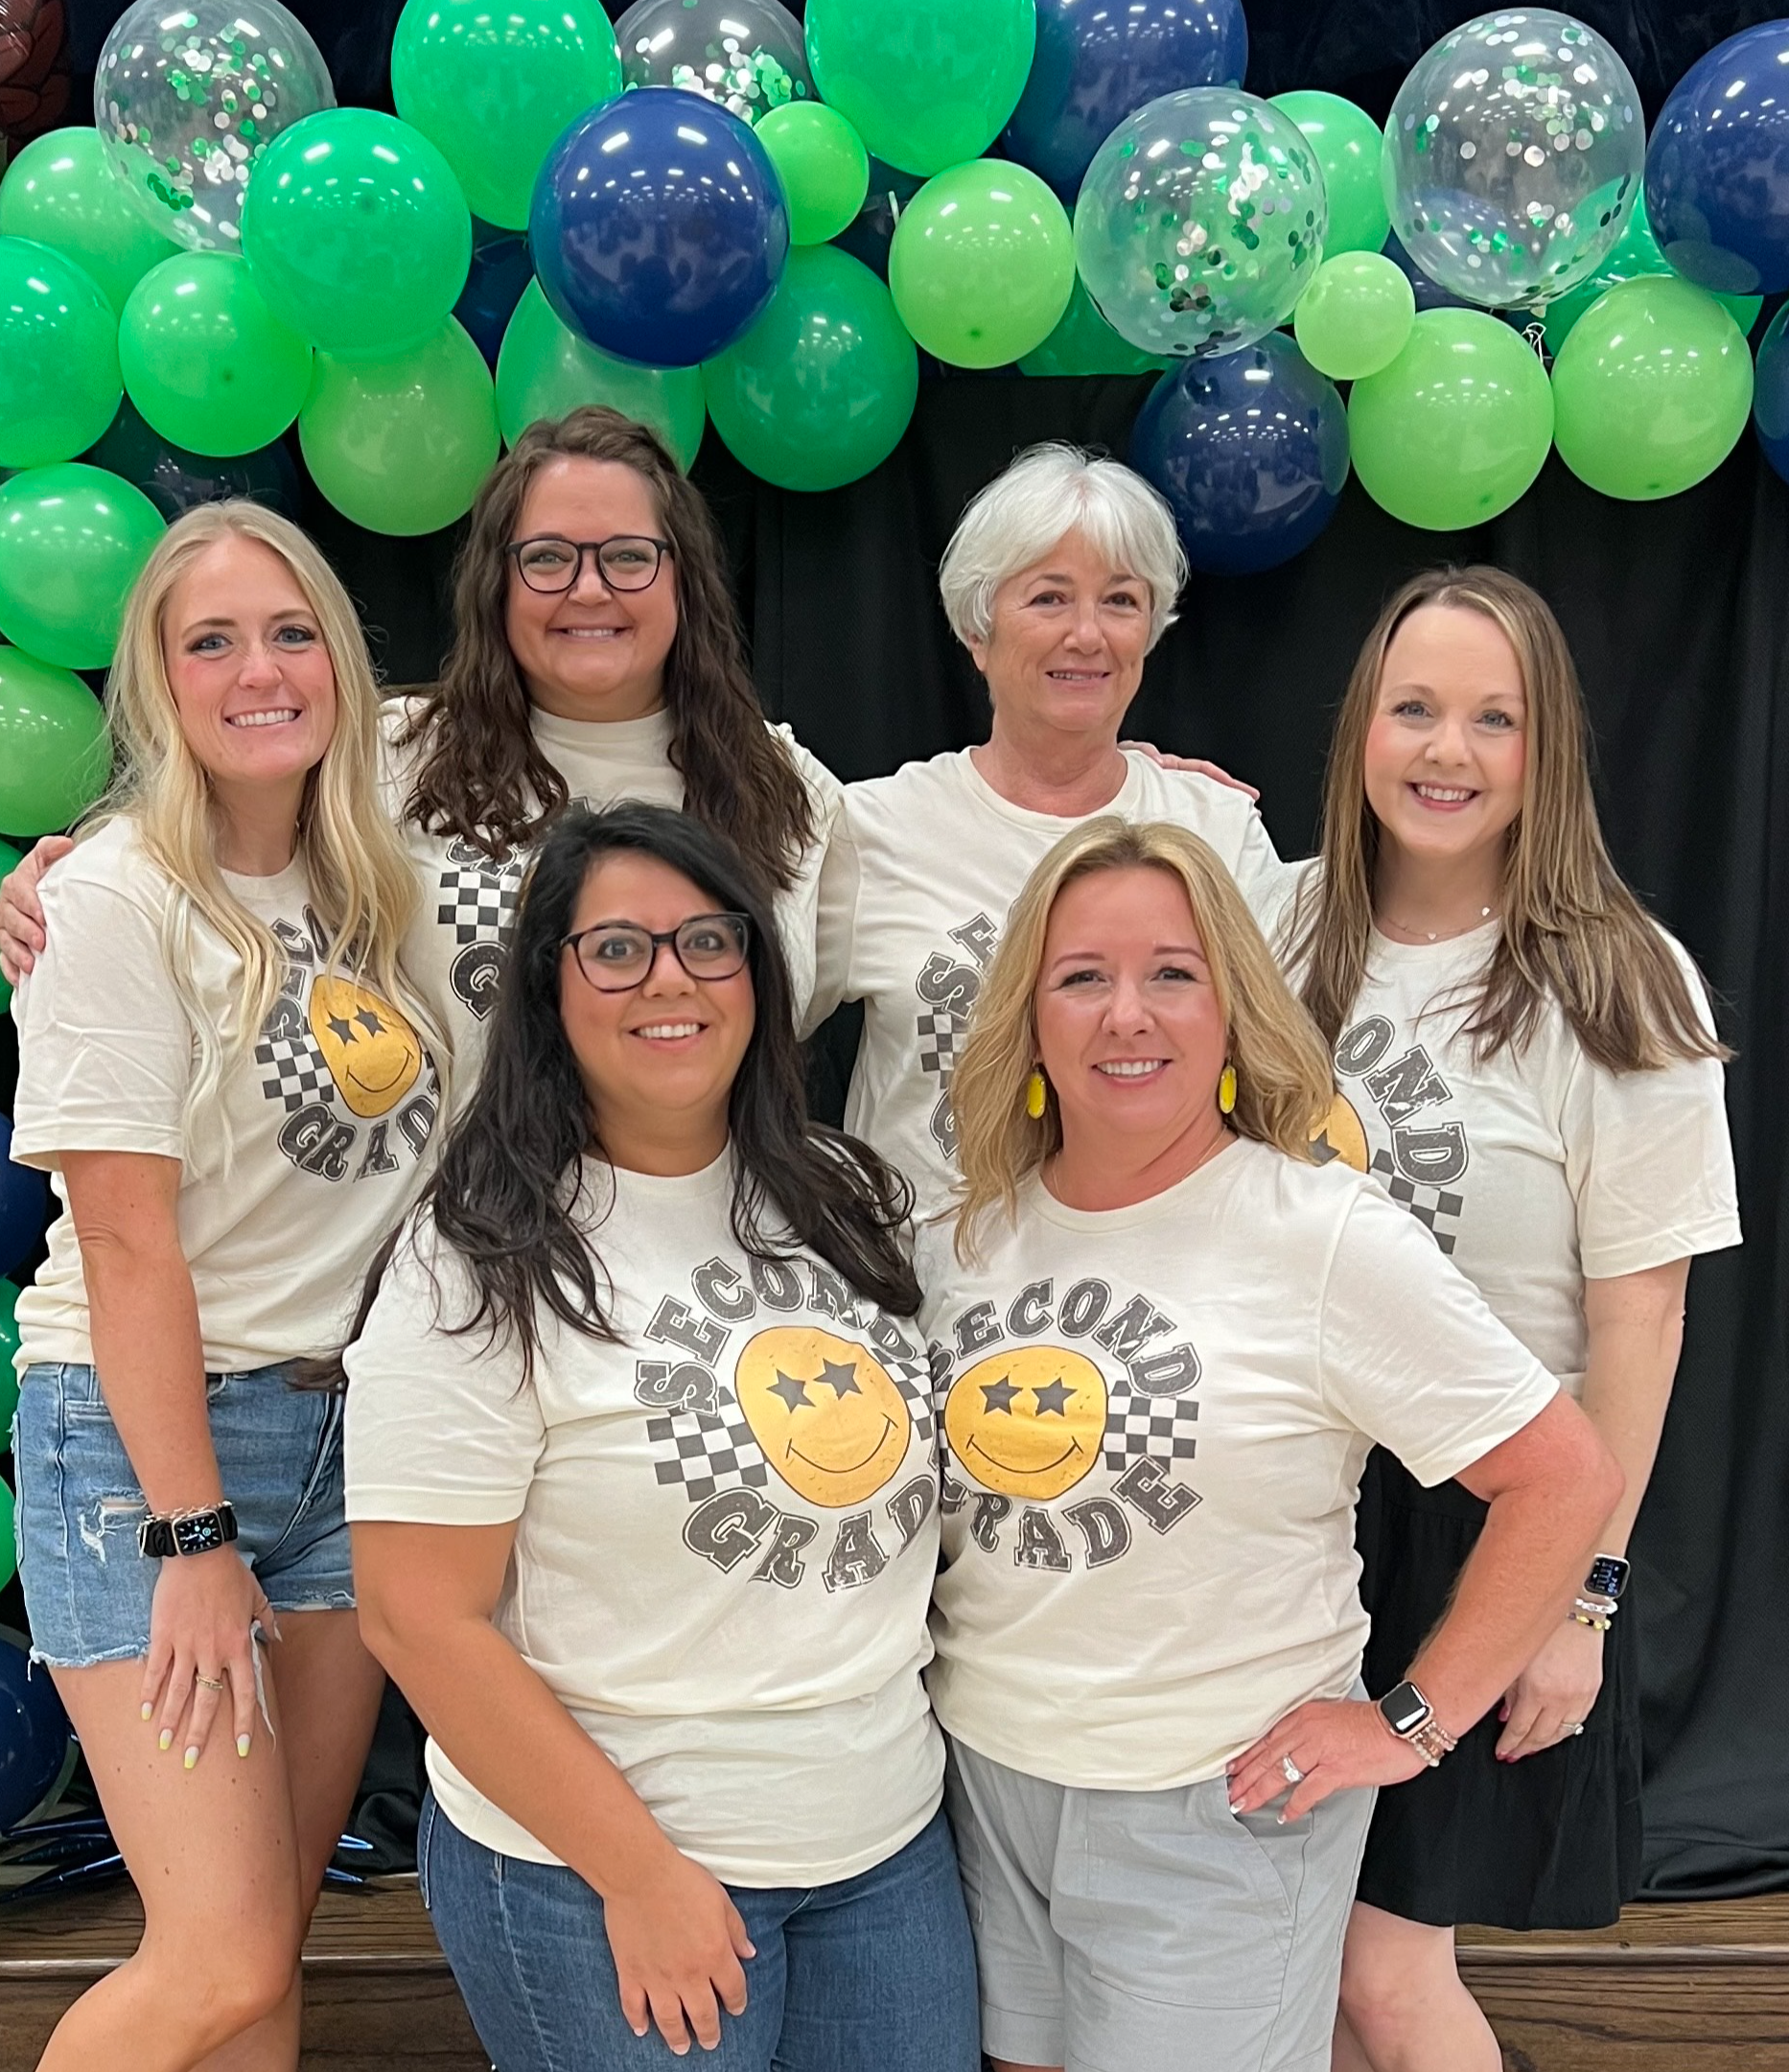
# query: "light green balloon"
[401,444]
[8,1535]
[824,166]
[10,860]
[819,389]
[205,360]
[927,83]
[73,539]
[1634,253]
[544,369]
[1346,143]
[356,232]
[58,356]
[1652,390]
[1458,426]
[60,191]
[8,1327]
[494,87]
[55,752]
[1355,316]
[981,263]
[1083,342]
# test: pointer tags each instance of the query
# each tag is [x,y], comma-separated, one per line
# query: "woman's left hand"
[1552,1697]
[1336,1744]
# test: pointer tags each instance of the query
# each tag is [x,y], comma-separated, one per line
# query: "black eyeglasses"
[616,955]
[626,561]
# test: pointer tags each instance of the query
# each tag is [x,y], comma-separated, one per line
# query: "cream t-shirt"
[923,867]
[459,941]
[727,1527]
[326,1121]
[1155,1420]
[1533,1171]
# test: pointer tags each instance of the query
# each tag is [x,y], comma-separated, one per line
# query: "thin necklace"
[1437,935]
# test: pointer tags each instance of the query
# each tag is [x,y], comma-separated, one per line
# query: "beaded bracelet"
[1598,1614]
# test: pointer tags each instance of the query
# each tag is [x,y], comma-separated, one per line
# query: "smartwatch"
[187,1532]
[1412,1718]
[1608,1577]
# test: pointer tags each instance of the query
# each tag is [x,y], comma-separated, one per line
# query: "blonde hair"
[1284,1078]
[1572,931]
[363,886]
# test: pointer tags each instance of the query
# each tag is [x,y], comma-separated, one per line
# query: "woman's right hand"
[200,1626]
[677,1940]
[21,911]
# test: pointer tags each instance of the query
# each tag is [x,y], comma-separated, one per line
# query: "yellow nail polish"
[192,1757]
[167,1740]
[241,1744]
[148,1711]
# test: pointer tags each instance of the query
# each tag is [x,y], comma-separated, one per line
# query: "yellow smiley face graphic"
[1341,1136]
[825,1413]
[1028,1422]
[373,1054]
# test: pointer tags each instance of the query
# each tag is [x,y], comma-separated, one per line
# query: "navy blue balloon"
[1717,168]
[175,481]
[501,270]
[1429,294]
[1770,393]
[24,1205]
[1100,61]
[659,228]
[1251,451]
[33,1732]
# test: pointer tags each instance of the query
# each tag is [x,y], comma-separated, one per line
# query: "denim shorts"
[87,1590]
[875,1973]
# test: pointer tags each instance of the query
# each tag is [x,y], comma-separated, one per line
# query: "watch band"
[1411,1717]
[198,1531]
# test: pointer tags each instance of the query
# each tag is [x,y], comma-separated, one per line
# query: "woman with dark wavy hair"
[647,1348]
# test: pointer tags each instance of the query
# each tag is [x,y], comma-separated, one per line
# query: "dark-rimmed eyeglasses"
[625,560]
[616,955]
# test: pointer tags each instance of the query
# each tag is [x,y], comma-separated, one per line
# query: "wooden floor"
[1673,1989]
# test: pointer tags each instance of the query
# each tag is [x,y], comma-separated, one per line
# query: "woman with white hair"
[1059,579]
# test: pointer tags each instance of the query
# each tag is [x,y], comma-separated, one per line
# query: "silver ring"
[1294,1775]
[1572,1726]
[208,1683]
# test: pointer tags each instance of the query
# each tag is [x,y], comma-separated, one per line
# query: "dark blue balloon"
[24,1205]
[1100,61]
[1251,448]
[1769,394]
[175,481]
[659,228]
[33,1732]
[1717,168]
[501,270]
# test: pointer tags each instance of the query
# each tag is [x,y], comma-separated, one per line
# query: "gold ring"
[208,1683]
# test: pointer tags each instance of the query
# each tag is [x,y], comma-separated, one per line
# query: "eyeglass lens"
[625,563]
[616,958]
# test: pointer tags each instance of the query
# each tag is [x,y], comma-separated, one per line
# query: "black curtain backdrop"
[1678,615]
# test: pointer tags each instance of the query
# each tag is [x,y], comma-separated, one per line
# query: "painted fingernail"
[167,1740]
[192,1757]
[241,1744]
[149,1711]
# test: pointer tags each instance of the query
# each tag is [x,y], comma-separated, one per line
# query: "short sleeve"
[1409,1352]
[841,880]
[1265,882]
[106,1048]
[441,1428]
[1649,1160]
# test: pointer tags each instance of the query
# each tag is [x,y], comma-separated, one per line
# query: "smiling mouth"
[668,1031]
[793,1452]
[1005,1467]
[279,715]
[1444,793]
[1130,1068]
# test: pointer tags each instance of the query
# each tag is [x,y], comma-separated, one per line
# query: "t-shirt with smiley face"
[726,1527]
[326,1121]
[1155,1419]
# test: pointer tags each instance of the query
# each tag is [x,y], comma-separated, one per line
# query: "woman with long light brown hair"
[1528,1063]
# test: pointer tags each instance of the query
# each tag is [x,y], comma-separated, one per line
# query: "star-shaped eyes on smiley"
[837,1375]
[341,1027]
[1052,1396]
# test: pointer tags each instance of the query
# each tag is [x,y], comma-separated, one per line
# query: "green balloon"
[9,1332]
[981,263]
[56,751]
[1083,342]
[1346,143]
[10,860]
[824,165]
[544,369]
[1458,426]
[401,444]
[1651,390]
[927,83]
[60,191]
[9,1536]
[820,389]
[356,232]
[1355,316]
[492,87]
[205,360]
[58,356]
[73,539]
[1634,253]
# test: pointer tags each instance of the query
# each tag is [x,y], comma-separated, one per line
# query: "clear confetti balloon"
[188,98]
[747,55]
[1199,221]
[1513,156]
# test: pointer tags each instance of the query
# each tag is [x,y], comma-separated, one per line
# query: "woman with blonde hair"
[224,1069]
[1163,1339]
[1527,1064]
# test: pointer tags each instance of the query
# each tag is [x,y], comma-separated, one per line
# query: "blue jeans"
[876,1973]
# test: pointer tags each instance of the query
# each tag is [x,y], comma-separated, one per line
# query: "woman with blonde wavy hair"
[224,1069]
[1163,1338]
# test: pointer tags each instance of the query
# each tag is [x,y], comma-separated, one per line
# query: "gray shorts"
[1153,1931]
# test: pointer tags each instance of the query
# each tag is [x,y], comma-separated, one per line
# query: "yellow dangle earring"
[1035,1094]
[1226,1090]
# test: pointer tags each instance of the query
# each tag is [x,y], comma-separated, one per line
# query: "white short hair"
[1050,491]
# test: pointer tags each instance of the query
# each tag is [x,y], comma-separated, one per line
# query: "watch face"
[1608,1576]
[1404,1708]
[198,1535]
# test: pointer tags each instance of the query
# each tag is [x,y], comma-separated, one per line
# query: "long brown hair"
[480,775]
[1572,931]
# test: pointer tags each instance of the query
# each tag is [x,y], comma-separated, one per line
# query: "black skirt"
[1550,1842]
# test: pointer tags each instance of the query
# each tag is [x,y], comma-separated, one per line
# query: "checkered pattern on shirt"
[940,1033]
[299,1075]
[1161,1428]
[708,1451]
[479,902]
[1430,1205]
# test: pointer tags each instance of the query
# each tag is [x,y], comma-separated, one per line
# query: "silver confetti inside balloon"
[747,55]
